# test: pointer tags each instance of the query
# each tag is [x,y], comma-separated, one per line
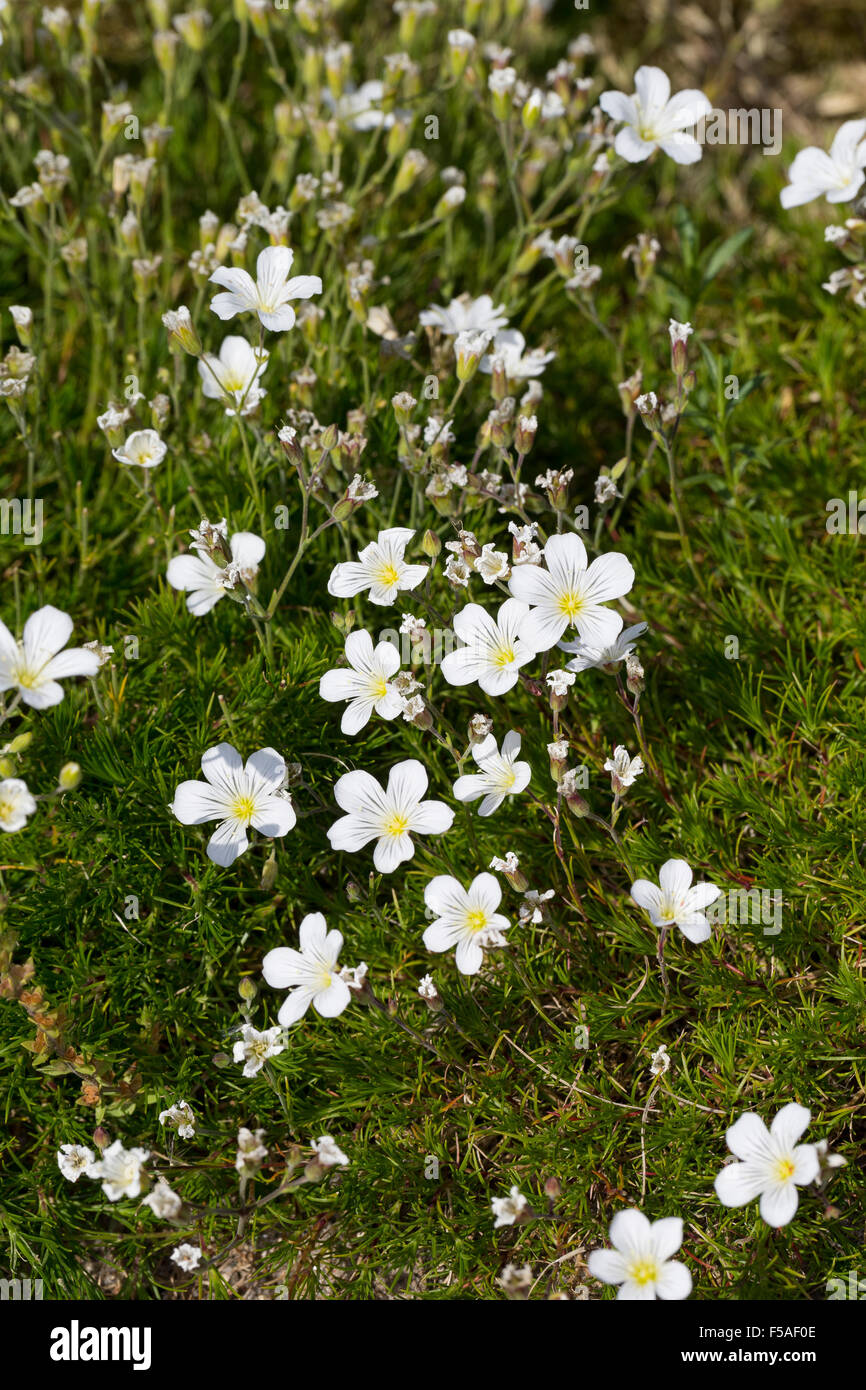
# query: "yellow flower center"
[570,604]
[643,1271]
[784,1169]
[502,656]
[244,808]
[476,920]
[379,687]
[397,825]
[7,809]
[388,575]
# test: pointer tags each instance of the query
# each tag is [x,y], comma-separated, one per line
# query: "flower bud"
[70,777]
[431,545]
[181,330]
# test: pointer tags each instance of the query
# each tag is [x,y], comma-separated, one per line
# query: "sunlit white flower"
[235,373]
[310,974]
[238,796]
[570,592]
[143,449]
[518,362]
[500,774]
[380,567]
[492,564]
[35,665]
[508,1209]
[837,176]
[494,650]
[328,1154]
[254,1048]
[466,918]
[640,1261]
[163,1202]
[73,1160]
[560,682]
[624,770]
[653,118]
[772,1164]
[590,657]
[426,988]
[120,1170]
[16,804]
[674,901]
[466,315]
[179,1117]
[205,582]
[269,294]
[187,1257]
[367,685]
[390,816]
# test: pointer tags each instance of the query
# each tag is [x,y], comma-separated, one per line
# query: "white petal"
[332,1001]
[779,1203]
[227,843]
[789,1124]
[674,1281]
[45,632]
[265,770]
[675,878]
[607,1265]
[197,802]
[275,815]
[630,1230]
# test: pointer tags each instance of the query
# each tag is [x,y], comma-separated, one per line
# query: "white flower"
[187,1257]
[660,1061]
[120,1170]
[679,332]
[426,988]
[560,682]
[234,373]
[269,294]
[675,902]
[492,564]
[508,1209]
[251,1151]
[590,657]
[380,567]
[162,1201]
[457,571]
[509,346]
[494,652]
[254,1048]
[310,974]
[367,686]
[640,1261]
[531,910]
[73,1160]
[465,315]
[143,448]
[466,918]
[16,804]
[653,118]
[390,816]
[500,776]
[838,176]
[624,770]
[327,1153]
[36,664]
[205,582]
[509,865]
[179,1117]
[773,1165]
[238,796]
[569,592]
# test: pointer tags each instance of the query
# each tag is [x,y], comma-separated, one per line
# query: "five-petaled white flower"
[653,118]
[838,176]
[238,796]
[465,315]
[587,658]
[519,363]
[508,1209]
[571,592]
[187,1257]
[36,664]
[162,1201]
[640,1261]
[142,448]
[254,1048]
[367,685]
[674,901]
[205,582]
[180,1117]
[310,974]
[328,1153]
[772,1164]
[120,1170]
[269,294]
[16,804]
[380,567]
[500,774]
[494,651]
[466,918]
[624,770]
[389,816]
[75,1159]
[234,374]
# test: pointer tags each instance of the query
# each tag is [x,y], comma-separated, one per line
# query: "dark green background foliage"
[760,757]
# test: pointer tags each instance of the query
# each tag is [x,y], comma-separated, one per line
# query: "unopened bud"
[70,777]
